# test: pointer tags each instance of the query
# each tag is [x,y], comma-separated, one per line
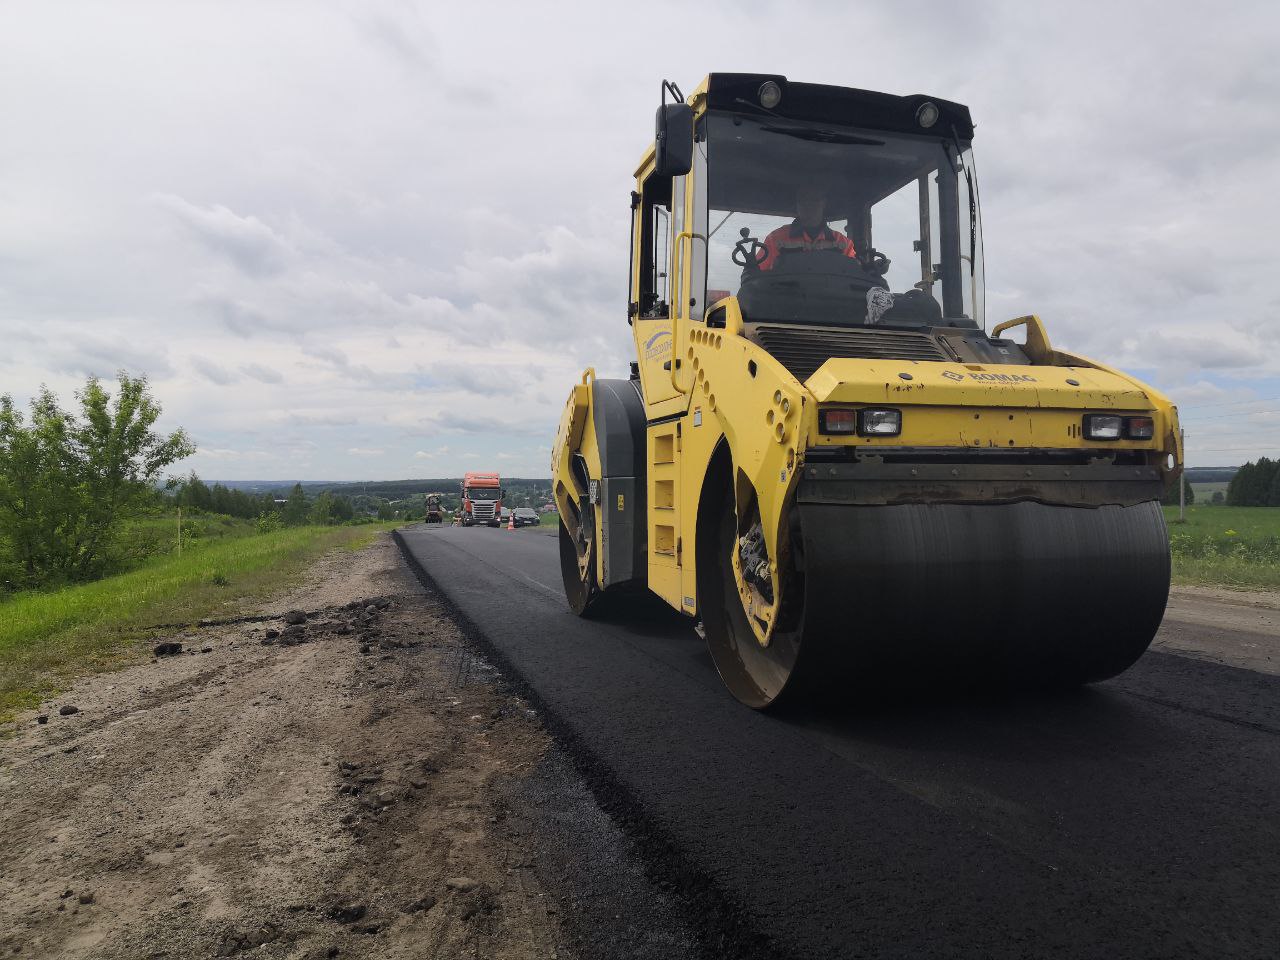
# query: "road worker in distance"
[808,231]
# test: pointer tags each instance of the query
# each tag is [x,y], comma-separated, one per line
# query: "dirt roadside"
[1234,628]
[339,790]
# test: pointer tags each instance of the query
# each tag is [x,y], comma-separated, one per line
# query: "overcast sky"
[380,240]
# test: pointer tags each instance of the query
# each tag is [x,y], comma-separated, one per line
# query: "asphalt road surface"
[1136,818]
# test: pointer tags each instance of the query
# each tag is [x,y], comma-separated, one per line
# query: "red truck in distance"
[481,499]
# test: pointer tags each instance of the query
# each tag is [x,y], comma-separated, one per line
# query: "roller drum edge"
[1014,593]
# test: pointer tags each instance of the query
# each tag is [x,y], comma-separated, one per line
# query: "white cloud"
[426,245]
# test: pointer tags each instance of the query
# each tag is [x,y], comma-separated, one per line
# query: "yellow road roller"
[820,451]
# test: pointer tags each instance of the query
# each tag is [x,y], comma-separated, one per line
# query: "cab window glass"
[655,249]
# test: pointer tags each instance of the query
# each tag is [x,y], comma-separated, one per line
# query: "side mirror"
[673,140]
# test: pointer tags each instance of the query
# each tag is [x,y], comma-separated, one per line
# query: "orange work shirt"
[795,237]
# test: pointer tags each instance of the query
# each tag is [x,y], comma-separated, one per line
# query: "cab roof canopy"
[845,105]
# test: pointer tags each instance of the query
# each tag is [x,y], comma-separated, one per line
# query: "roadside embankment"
[48,638]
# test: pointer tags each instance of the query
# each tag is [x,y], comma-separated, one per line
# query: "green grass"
[157,534]
[1226,546]
[1213,520]
[47,638]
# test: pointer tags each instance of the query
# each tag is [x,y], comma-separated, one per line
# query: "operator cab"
[907,202]
[899,192]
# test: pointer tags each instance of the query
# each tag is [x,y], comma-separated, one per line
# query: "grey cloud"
[338,362]
[95,357]
[242,319]
[403,32]
[246,241]
[463,422]
[1201,352]
[316,419]
[257,371]
[212,372]
[474,378]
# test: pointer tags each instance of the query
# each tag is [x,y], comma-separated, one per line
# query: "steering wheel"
[875,262]
[749,252]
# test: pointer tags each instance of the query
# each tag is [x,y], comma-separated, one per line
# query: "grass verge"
[1226,546]
[1226,571]
[46,639]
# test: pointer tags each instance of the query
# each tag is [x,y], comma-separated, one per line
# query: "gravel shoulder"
[1235,628]
[361,784]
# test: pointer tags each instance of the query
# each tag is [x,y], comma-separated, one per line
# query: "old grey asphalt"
[1137,818]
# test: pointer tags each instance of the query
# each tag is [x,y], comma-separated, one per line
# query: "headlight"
[1103,426]
[770,94]
[879,423]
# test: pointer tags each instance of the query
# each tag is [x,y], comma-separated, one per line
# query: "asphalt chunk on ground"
[1133,818]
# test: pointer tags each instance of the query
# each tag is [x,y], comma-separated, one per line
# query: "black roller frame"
[617,413]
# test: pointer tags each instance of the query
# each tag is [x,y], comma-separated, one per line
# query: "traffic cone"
[511,520]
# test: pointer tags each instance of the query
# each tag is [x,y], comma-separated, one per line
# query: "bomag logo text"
[993,377]
[657,345]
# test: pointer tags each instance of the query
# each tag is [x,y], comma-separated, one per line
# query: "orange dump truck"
[481,499]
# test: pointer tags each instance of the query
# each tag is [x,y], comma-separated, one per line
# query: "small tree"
[296,507]
[193,493]
[322,510]
[68,480]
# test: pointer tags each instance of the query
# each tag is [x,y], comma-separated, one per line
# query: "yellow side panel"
[665,546]
[653,349]
[700,437]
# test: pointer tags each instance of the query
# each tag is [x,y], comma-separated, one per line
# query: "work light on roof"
[770,94]
[927,114]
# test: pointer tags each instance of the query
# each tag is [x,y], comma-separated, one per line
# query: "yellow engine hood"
[959,384]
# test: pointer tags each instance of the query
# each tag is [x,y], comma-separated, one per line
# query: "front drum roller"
[1011,594]
[578,562]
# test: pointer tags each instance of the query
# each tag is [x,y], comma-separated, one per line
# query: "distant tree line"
[296,510]
[1256,485]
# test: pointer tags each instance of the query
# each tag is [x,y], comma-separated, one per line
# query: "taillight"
[1140,428]
[838,421]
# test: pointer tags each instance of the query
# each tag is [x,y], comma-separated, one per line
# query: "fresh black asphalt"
[1136,818]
